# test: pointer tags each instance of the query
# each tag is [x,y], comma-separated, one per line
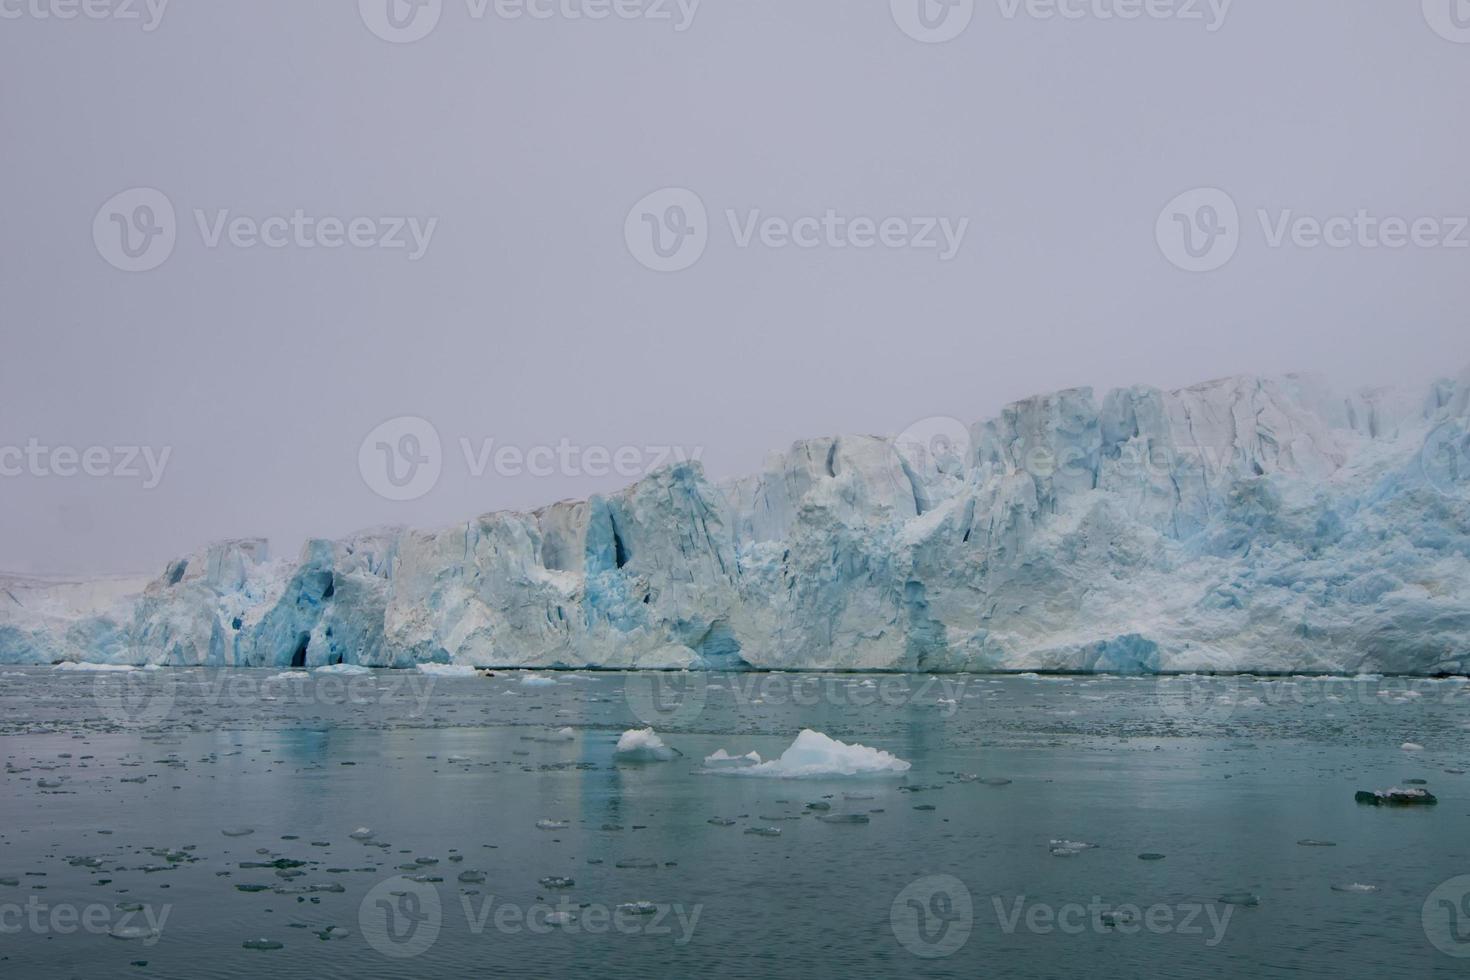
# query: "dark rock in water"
[1309,842]
[1416,782]
[1396,797]
[1245,899]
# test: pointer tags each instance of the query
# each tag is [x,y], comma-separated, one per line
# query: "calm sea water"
[132,808]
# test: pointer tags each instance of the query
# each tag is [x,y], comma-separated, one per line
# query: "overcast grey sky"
[1043,151]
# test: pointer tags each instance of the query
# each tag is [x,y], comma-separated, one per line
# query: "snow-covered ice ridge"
[1243,524]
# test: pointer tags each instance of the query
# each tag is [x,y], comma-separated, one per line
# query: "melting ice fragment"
[1396,796]
[815,755]
[642,745]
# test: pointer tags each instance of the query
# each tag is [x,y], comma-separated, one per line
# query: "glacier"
[1245,524]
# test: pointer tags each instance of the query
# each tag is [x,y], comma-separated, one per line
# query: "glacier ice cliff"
[1243,524]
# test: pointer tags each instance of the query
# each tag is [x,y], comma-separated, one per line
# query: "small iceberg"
[536,680]
[345,669]
[96,668]
[814,756]
[447,670]
[642,745]
[1412,747]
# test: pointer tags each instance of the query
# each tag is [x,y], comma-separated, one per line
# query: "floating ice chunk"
[560,918]
[546,824]
[262,945]
[844,818]
[724,760]
[638,908]
[1068,848]
[286,675]
[350,669]
[814,755]
[1412,747]
[556,881]
[448,670]
[536,680]
[133,932]
[1396,796]
[1356,888]
[363,834]
[642,745]
[96,668]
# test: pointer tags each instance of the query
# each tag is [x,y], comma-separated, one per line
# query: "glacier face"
[1243,524]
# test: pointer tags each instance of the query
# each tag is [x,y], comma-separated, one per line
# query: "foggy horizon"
[893,229]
